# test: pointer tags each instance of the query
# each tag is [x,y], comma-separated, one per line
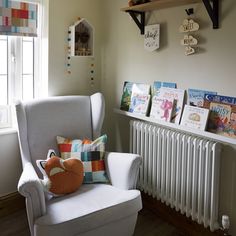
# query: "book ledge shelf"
[205,134]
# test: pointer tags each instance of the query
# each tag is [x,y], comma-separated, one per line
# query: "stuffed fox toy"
[61,176]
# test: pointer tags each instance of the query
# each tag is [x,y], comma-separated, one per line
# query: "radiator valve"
[225,225]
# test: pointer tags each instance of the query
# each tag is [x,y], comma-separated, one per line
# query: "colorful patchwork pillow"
[91,153]
[61,176]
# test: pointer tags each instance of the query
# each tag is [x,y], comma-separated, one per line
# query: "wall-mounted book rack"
[200,133]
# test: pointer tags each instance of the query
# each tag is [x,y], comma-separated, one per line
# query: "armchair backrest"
[40,121]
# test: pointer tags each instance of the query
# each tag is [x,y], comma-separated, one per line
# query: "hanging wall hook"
[189,11]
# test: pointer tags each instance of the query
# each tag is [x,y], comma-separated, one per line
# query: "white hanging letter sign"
[152,37]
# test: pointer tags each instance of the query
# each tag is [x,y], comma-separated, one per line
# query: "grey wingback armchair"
[95,209]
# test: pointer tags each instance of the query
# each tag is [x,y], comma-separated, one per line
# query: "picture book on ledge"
[222,118]
[208,97]
[219,119]
[162,108]
[195,117]
[126,96]
[178,96]
[130,89]
[196,97]
[158,84]
[140,104]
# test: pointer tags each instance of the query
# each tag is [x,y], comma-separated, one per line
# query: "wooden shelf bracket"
[213,11]
[139,22]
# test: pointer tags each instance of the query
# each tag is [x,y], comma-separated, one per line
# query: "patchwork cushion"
[91,153]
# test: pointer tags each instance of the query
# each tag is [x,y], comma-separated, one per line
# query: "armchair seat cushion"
[90,207]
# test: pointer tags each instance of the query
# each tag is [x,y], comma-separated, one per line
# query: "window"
[3,70]
[17,69]
[21,68]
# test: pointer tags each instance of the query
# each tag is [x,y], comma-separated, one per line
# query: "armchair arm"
[123,169]
[30,187]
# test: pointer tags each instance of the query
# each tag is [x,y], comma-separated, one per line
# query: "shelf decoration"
[81,38]
[136,2]
[189,25]
[80,42]
[151,37]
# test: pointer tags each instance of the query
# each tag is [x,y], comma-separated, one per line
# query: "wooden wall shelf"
[139,10]
[200,133]
[159,4]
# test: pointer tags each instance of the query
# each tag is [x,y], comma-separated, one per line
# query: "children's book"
[219,119]
[217,123]
[196,97]
[161,108]
[230,129]
[158,84]
[178,96]
[219,98]
[139,88]
[126,96]
[140,104]
[195,117]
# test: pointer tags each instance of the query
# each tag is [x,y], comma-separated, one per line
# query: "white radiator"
[179,169]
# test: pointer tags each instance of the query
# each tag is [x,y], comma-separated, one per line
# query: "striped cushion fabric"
[91,153]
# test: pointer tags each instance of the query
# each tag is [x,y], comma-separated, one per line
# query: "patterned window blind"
[18,18]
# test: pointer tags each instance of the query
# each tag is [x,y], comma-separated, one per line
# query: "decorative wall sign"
[188,40]
[189,50]
[189,25]
[152,37]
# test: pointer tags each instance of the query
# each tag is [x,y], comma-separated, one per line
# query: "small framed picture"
[5,116]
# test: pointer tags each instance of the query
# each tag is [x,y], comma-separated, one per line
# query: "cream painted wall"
[62,14]
[10,168]
[213,68]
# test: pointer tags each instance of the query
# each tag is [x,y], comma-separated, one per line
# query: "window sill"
[6,131]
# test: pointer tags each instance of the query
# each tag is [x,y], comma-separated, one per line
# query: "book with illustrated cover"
[217,123]
[158,84]
[219,118]
[230,128]
[219,98]
[178,96]
[195,117]
[139,88]
[140,104]
[162,108]
[196,97]
[126,96]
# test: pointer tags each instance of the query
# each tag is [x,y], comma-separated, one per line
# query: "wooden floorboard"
[176,219]
[15,224]
[148,224]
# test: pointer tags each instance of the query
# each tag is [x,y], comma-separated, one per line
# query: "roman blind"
[18,18]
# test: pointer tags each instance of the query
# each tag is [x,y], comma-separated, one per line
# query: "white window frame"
[40,72]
